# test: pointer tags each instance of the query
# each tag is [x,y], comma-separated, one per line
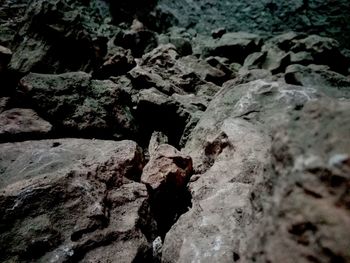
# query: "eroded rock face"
[71,199]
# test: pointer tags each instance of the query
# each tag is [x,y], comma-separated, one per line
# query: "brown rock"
[22,123]
[235,188]
[167,168]
[166,176]
[72,200]
[119,61]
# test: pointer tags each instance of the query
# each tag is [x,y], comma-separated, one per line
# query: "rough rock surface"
[243,131]
[231,149]
[71,199]
[77,103]
[264,16]
[22,124]
[166,176]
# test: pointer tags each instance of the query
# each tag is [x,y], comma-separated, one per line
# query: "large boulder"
[307,216]
[231,188]
[73,200]
[74,102]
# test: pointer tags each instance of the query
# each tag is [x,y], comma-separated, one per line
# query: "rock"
[152,102]
[308,214]
[231,152]
[5,57]
[4,103]
[119,62]
[266,17]
[126,11]
[139,42]
[203,69]
[144,78]
[292,48]
[330,82]
[22,124]
[218,33]
[56,36]
[234,46]
[245,76]
[168,169]
[91,181]
[222,65]
[276,61]
[166,176]
[325,51]
[182,45]
[73,102]
[254,60]
[157,139]
[301,58]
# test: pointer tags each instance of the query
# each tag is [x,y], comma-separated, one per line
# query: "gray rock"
[266,17]
[56,36]
[234,46]
[157,139]
[4,103]
[330,82]
[76,103]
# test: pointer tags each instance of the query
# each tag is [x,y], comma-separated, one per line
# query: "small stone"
[167,168]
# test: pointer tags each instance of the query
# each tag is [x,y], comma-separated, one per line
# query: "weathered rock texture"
[76,103]
[243,132]
[71,199]
[237,181]
[18,124]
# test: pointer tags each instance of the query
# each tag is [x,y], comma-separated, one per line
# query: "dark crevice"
[167,205]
